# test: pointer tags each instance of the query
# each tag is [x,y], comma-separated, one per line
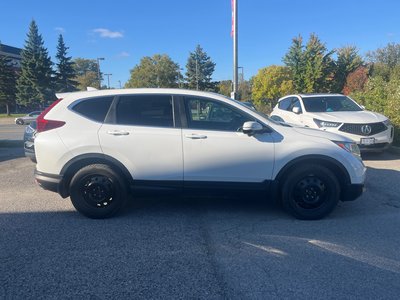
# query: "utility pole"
[98,70]
[108,79]
[119,81]
[235,48]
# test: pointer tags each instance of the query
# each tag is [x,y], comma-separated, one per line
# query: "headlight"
[328,124]
[349,147]
[387,122]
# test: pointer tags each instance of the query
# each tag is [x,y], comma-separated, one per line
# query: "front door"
[216,150]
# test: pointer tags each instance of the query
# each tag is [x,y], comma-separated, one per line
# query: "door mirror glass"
[251,128]
[296,110]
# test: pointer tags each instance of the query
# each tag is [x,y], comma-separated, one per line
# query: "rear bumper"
[352,192]
[50,182]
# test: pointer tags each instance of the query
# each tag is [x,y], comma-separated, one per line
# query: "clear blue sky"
[124,31]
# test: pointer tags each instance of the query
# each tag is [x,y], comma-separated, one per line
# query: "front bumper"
[383,140]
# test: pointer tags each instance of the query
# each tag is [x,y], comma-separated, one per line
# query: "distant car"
[339,114]
[28,118]
[29,141]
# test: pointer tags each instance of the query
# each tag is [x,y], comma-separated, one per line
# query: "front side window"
[212,115]
[295,103]
[145,110]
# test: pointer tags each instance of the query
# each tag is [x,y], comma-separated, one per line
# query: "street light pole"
[235,48]
[108,79]
[119,81]
[98,70]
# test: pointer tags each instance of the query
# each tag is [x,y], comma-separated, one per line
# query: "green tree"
[294,59]
[157,71]
[319,66]
[199,70]
[86,73]
[347,61]
[384,60]
[8,83]
[65,73]
[225,87]
[35,84]
[272,83]
[312,66]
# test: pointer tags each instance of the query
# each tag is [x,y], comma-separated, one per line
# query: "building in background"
[13,53]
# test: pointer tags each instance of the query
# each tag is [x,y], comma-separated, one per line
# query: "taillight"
[44,124]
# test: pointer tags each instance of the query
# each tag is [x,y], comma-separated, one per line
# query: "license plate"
[367,141]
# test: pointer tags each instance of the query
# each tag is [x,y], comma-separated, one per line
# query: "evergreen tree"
[35,84]
[199,69]
[8,83]
[347,61]
[319,66]
[65,73]
[295,60]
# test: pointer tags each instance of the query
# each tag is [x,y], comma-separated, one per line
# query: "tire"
[310,192]
[19,122]
[98,191]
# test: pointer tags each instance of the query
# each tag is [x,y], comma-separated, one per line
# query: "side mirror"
[296,110]
[251,128]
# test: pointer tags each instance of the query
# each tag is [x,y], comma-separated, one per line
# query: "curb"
[394,150]
[11,143]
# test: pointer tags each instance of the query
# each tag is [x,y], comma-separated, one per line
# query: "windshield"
[330,104]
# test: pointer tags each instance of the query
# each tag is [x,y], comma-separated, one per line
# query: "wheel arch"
[332,164]
[80,161]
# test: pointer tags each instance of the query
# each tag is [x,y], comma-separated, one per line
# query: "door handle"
[196,136]
[118,132]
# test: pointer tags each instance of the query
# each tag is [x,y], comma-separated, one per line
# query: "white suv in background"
[339,114]
[98,146]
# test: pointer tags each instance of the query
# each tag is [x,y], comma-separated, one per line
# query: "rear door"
[141,132]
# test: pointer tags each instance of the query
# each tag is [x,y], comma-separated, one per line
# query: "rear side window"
[145,110]
[94,108]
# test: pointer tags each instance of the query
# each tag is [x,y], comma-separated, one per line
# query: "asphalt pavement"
[217,248]
[9,131]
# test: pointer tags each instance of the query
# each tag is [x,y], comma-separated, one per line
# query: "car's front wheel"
[19,122]
[310,192]
[98,191]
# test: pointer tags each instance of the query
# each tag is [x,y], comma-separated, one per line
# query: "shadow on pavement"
[379,156]
[8,153]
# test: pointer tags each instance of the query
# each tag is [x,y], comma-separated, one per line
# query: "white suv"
[336,113]
[98,146]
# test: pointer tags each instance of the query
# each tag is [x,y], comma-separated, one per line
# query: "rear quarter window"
[94,108]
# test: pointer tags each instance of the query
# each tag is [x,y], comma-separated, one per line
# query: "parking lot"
[171,247]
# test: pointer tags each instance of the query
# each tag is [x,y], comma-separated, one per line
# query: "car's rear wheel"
[98,191]
[310,192]
[19,122]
